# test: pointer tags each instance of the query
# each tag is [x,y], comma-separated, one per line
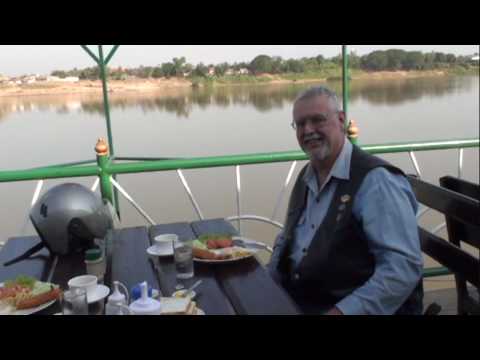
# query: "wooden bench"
[462,214]
[459,232]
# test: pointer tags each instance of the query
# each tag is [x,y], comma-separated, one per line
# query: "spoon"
[190,289]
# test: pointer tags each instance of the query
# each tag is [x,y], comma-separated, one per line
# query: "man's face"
[319,128]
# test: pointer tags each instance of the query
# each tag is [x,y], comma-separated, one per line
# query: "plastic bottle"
[117,304]
[145,305]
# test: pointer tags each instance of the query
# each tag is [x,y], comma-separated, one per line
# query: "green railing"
[107,165]
[108,168]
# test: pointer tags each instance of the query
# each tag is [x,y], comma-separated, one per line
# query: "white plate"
[12,311]
[165,251]
[101,292]
[220,251]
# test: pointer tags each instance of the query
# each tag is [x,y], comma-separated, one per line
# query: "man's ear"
[341,118]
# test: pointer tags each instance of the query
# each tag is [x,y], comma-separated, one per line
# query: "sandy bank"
[158,85]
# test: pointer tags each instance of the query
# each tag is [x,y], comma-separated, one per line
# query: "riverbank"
[163,84]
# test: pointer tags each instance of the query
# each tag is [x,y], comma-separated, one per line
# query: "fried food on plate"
[26,292]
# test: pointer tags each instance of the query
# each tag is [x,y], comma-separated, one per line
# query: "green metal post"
[106,106]
[345,89]
[103,162]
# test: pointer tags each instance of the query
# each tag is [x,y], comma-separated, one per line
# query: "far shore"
[158,85]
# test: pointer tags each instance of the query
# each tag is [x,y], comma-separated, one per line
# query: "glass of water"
[74,302]
[183,255]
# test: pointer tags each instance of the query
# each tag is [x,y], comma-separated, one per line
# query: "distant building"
[53,78]
[243,71]
[475,58]
[71,79]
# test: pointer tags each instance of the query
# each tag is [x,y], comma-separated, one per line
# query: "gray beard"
[320,153]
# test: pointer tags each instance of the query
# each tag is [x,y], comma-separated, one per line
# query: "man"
[350,244]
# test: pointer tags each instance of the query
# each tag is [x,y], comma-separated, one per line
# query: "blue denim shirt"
[385,206]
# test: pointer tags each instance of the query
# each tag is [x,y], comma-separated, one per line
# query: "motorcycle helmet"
[69,217]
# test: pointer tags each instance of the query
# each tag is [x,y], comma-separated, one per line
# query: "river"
[46,130]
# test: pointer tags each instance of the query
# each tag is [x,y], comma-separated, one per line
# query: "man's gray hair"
[319,91]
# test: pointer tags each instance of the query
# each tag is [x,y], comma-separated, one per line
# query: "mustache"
[314,136]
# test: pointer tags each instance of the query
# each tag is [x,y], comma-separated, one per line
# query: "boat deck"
[446,298]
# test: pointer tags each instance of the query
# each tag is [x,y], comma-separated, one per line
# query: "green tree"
[221,69]
[157,72]
[261,64]
[295,66]
[168,69]
[395,59]
[178,64]
[200,70]
[414,60]
[59,73]
[450,58]
[376,60]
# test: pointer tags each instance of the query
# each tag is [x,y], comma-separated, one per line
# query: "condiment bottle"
[117,304]
[145,305]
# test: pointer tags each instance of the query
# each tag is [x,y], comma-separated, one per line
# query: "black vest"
[338,260]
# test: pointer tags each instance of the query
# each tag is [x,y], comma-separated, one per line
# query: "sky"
[43,59]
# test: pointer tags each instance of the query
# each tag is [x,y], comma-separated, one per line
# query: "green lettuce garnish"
[22,280]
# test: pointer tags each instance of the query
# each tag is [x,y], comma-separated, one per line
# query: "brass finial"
[353,130]
[101,148]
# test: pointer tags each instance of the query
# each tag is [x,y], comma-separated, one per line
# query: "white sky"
[42,59]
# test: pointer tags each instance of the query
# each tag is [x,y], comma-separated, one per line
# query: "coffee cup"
[165,241]
[86,282]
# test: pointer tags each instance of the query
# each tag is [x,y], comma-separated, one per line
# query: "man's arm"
[386,207]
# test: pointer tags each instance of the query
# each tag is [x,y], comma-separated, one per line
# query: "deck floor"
[446,298]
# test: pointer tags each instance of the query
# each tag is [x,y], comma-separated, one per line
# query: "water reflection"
[262,98]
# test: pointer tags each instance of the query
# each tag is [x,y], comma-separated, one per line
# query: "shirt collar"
[340,169]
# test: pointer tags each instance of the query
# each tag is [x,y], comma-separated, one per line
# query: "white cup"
[165,241]
[86,282]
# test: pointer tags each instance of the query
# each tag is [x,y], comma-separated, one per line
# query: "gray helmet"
[68,217]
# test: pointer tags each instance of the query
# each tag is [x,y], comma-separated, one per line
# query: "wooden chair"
[459,232]
[462,215]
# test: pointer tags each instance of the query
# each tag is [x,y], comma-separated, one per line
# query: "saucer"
[155,251]
[101,292]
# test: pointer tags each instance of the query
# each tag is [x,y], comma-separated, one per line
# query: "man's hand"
[334,311]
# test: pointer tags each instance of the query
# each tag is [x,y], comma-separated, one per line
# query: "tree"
[59,73]
[376,60]
[168,69]
[395,59]
[277,65]
[295,66]
[200,70]
[178,64]
[157,72]
[414,60]
[450,58]
[221,69]
[261,64]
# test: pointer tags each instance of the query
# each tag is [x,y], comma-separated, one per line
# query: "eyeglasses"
[316,121]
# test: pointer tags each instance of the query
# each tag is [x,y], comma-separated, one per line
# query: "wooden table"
[243,287]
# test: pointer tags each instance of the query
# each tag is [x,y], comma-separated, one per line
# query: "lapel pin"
[345,198]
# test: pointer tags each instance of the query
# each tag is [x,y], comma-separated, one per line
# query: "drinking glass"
[183,255]
[74,302]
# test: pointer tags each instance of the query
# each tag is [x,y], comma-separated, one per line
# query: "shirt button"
[313,226]
[296,276]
